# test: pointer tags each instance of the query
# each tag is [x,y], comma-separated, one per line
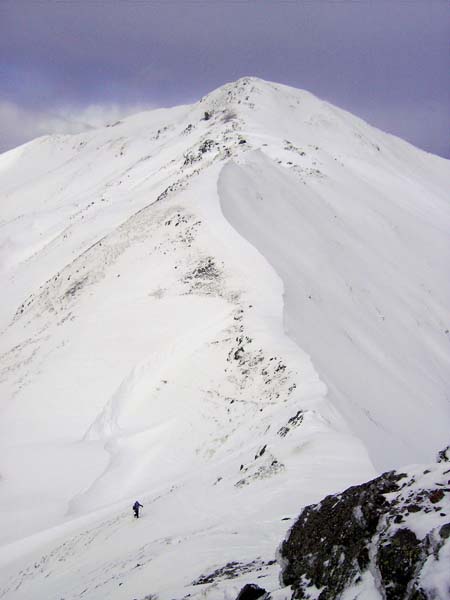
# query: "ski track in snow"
[143,352]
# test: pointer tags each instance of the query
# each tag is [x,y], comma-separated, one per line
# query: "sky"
[67,65]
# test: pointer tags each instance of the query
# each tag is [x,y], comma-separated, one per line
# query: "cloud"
[19,125]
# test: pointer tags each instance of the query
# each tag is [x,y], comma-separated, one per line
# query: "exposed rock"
[393,531]
[444,455]
[206,146]
[232,570]
[251,591]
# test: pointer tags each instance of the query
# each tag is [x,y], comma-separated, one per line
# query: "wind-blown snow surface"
[143,345]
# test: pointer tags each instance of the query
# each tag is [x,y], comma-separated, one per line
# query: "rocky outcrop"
[389,536]
[444,455]
[251,591]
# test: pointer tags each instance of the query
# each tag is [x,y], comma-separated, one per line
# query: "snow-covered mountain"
[226,310]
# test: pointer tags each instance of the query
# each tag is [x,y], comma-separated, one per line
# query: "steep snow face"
[143,344]
[356,224]
[366,289]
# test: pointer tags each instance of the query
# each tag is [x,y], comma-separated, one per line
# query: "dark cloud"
[386,61]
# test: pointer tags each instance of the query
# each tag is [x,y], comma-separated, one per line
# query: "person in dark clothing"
[136,507]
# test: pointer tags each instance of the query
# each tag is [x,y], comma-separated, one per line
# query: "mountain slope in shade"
[143,343]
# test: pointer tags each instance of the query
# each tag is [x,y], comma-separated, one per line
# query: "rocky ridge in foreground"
[388,538]
[391,534]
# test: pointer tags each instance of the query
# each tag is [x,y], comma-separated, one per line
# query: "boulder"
[251,591]
[390,534]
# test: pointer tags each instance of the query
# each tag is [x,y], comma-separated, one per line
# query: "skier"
[136,507]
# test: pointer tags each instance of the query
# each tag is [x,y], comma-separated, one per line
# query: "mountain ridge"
[144,335]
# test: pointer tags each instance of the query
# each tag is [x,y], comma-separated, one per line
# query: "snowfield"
[225,310]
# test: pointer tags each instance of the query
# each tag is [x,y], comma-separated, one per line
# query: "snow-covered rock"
[385,539]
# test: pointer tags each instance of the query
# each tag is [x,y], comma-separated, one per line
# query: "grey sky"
[63,61]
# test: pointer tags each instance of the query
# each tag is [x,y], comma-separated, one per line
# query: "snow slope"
[359,225]
[143,344]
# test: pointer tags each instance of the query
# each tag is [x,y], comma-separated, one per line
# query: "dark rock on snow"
[251,591]
[393,531]
[444,455]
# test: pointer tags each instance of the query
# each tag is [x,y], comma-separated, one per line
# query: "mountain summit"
[227,310]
